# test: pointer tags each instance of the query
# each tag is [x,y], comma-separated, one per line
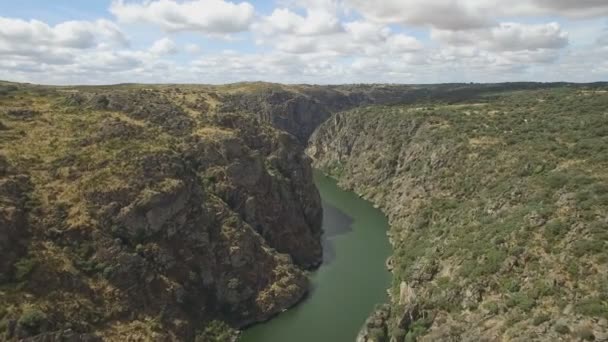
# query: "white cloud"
[193,48]
[507,37]
[403,43]
[20,35]
[206,16]
[164,46]
[449,15]
[367,32]
[353,38]
[471,14]
[316,41]
[316,22]
[576,9]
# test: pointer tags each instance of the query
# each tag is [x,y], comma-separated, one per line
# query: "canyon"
[187,212]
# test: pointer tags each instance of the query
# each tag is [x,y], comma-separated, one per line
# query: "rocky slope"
[300,109]
[129,214]
[139,212]
[497,210]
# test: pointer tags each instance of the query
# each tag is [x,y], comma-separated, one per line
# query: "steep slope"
[126,215]
[300,109]
[497,211]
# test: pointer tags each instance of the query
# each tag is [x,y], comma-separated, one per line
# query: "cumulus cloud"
[442,14]
[354,38]
[19,35]
[507,37]
[164,46]
[471,14]
[193,48]
[567,8]
[206,16]
[284,21]
[316,41]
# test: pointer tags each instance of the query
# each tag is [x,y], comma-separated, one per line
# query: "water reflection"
[335,223]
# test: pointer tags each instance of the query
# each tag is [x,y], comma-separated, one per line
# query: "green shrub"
[511,285]
[540,319]
[555,229]
[24,267]
[492,307]
[592,307]
[582,247]
[215,331]
[521,301]
[378,335]
[557,180]
[415,333]
[541,288]
[32,320]
[562,328]
[573,268]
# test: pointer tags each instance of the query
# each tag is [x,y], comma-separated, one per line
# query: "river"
[351,280]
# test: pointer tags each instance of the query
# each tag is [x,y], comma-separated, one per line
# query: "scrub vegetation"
[497,209]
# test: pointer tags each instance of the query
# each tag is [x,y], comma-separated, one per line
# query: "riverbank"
[351,281]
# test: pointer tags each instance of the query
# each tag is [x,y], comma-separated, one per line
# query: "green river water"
[352,279]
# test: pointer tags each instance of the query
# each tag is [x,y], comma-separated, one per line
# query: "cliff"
[497,209]
[300,109]
[128,215]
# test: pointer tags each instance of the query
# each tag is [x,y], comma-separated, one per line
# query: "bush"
[582,247]
[541,289]
[24,267]
[378,335]
[216,331]
[415,333]
[521,301]
[555,229]
[562,328]
[592,307]
[32,321]
[492,308]
[540,319]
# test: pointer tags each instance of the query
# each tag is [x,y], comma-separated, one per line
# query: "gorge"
[173,212]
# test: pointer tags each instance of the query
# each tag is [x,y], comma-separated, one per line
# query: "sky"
[303,41]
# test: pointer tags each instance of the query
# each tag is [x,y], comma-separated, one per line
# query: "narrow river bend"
[352,279]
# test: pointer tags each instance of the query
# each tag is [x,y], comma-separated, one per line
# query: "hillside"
[134,213]
[497,208]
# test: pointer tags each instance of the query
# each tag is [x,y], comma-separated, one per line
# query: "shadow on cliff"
[335,223]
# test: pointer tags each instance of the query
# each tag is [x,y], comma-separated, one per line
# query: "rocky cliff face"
[300,109]
[497,213]
[144,219]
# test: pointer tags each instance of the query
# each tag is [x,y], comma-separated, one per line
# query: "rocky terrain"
[497,208]
[127,215]
[300,109]
[164,212]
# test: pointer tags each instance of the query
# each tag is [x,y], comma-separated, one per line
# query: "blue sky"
[303,41]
